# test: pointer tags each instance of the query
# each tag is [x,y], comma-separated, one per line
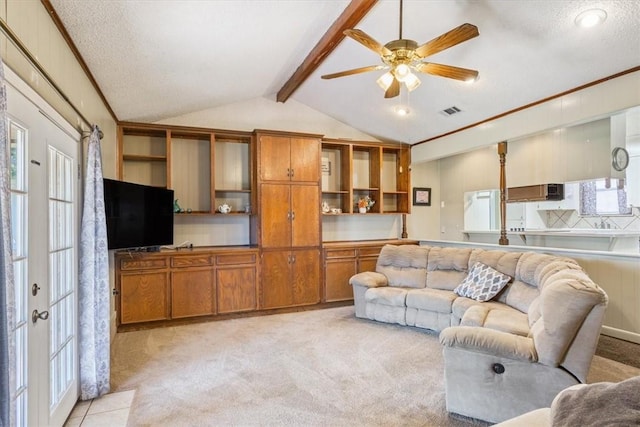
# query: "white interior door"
[44,172]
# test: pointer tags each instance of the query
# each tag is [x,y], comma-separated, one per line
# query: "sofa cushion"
[508,320]
[504,262]
[504,318]
[437,300]
[482,283]
[462,304]
[387,296]
[447,267]
[404,265]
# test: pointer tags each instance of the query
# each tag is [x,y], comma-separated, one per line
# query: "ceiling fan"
[403,55]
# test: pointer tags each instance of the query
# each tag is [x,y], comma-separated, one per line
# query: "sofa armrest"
[369,279]
[489,341]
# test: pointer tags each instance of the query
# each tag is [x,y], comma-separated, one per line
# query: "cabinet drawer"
[191,261]
[340,253]
[142,264]
[236,259]
[370,251]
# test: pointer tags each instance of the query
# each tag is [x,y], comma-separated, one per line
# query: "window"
[604,197]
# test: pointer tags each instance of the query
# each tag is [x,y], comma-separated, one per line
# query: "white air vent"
[450,111]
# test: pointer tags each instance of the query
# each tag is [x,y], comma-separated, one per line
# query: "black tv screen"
[138,216]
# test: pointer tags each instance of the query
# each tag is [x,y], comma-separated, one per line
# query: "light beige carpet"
[314,368]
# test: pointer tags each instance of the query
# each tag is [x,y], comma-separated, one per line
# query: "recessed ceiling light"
[591,18]
[401,110]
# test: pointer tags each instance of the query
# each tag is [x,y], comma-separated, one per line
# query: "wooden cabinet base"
[344,259]
[228,316]
[144,296]
[171,285]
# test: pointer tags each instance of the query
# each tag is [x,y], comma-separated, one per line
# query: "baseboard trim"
[218,317]
[621,334]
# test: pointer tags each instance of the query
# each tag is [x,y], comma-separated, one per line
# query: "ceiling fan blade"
[451,38]
[394,89]
[367,41]
[448,71]
[354,71]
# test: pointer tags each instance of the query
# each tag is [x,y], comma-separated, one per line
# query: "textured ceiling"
[158,59]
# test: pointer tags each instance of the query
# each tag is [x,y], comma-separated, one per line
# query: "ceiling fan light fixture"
[402,71]
[412,82]
[590,18]
[385,80]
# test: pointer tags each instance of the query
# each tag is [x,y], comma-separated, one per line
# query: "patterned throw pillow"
[482,283]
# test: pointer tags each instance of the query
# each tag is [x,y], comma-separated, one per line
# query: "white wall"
[424,221]
[266,113]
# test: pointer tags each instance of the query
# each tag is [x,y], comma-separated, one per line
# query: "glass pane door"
[19,209]
[62,276]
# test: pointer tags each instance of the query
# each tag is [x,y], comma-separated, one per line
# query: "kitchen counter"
[573,238]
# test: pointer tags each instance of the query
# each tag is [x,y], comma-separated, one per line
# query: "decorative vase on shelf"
[362,210]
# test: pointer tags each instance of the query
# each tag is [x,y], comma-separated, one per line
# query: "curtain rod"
[34,62]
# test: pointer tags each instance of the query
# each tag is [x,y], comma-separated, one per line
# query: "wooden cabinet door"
[275,223]
[305,222]
[305,160]
[275,285]
[274,163]
[367,264]
[368,258]
[306,276]
[192,293]
[236,289]
[340,265]
[144,297]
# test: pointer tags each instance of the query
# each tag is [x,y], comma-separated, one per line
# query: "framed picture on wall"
[421,196]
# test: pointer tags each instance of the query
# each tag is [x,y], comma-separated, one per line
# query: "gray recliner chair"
[494,375]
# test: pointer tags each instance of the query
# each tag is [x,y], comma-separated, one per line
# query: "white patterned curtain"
[93,292]
[588,198]
[7,301]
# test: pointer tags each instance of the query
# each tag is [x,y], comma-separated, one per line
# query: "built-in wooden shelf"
[143,158]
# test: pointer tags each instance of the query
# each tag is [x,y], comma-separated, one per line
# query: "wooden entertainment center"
[279,177]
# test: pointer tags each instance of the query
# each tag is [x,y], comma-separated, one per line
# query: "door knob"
[35,315]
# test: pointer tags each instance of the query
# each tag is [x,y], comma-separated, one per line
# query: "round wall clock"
[619,158]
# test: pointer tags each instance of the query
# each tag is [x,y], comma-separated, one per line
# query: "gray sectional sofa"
[505,356]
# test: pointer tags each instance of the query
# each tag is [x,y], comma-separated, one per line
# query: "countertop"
[377,242]
[566,232]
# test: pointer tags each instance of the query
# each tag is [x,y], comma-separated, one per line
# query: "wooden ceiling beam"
[353,13]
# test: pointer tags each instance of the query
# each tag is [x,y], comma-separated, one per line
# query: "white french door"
[44,213]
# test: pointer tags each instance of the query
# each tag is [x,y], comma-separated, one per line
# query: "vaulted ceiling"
[155,60]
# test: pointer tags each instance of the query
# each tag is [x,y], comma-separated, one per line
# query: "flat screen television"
[138,216]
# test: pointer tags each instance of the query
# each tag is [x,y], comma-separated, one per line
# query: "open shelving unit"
[353,170]
[336,182]
[204,167]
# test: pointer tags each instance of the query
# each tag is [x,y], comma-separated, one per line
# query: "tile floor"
[110,410]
